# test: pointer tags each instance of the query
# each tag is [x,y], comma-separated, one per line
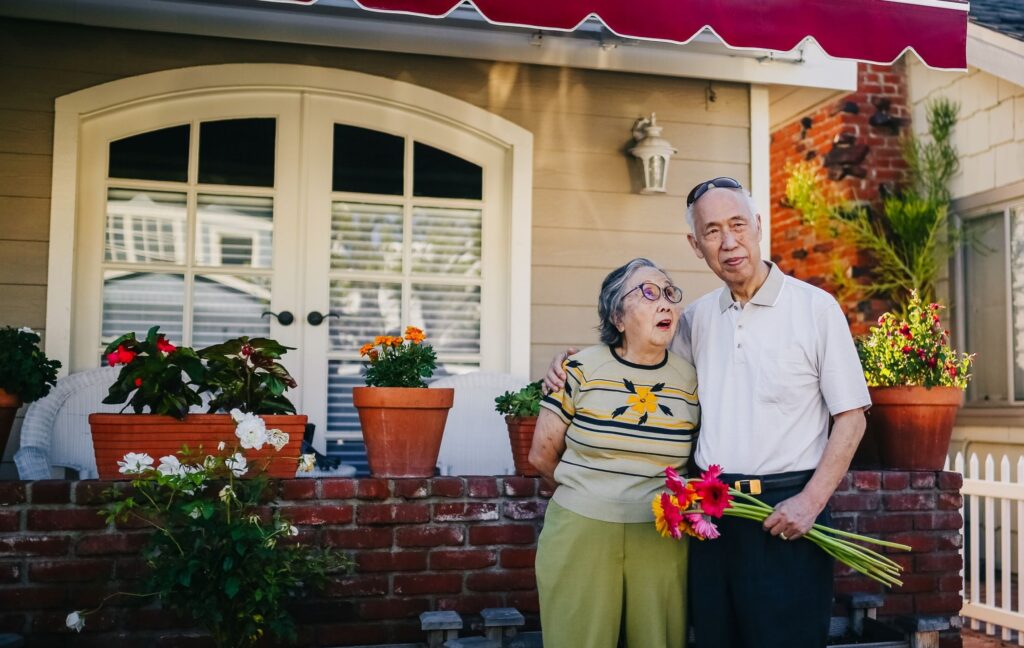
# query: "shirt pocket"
[784,377]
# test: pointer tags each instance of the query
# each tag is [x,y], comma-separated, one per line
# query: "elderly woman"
[628,409]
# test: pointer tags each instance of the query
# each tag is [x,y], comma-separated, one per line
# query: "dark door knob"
[285,318]
[316,318]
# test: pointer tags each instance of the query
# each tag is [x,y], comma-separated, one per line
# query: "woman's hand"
[554,379]
[548,444]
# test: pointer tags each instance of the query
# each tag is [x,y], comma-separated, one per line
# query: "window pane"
[1017,275]
[985,302]
[366,237]
[442,175]
[237,152]
[234,230]
[156,155]
[227,306]
[366,309]
[450,316]
[342,418]
[446,241]
[367,161]
[135,301]
[145,227]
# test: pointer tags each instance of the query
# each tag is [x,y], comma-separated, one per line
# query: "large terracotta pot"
[912,425]
[9,405]
[114,435]
[520,435]
[402,428]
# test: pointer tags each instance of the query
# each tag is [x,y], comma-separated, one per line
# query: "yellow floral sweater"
[627,422]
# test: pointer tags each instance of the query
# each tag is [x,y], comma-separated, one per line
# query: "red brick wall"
[795,246]
[444,543]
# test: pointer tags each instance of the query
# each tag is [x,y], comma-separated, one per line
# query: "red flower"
[675,483]
[138,382]
[932,362]
[715,497]
[907,350]
[713,471]
[163,345]
[121,356]
[952,371]
[247,350]
[673,516]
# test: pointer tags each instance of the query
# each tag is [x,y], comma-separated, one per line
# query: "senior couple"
[760,377]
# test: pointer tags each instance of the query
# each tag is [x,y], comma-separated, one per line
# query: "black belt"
[757,484]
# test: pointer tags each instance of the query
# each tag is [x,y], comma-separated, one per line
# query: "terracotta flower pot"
[114,435]
[9,405]
[402,428]
[912,425]
[520,435]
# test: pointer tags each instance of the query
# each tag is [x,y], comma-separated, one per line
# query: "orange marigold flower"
[365,349]
[380,339]
[414,334]
[395,341]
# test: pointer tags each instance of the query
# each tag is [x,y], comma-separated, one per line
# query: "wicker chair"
[55,432]
[475,437]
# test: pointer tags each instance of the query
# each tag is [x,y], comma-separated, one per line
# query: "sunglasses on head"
[715,183]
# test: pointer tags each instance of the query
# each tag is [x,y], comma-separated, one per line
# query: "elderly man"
[775,362]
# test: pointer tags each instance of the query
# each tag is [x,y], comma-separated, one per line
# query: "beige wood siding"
[587,216]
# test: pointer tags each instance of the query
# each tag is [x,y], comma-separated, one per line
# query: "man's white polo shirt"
[769,375]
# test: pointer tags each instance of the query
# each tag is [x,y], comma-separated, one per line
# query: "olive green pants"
[597,578]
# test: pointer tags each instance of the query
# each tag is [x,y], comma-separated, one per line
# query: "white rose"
[195,513]
[134,463]
[293,531]
[25,329]
[307,463]
[278,439]
[75,621]
[221,445]
[170,465]
[226,493]
[236,464]
[251,431]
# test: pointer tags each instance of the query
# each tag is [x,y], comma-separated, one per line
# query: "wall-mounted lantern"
[653,152]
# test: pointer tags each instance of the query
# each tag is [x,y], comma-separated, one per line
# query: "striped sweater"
[626,423]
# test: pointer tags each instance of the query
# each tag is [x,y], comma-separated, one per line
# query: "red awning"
[876,31]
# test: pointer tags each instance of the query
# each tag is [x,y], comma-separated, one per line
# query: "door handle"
[285,318]
[316,318]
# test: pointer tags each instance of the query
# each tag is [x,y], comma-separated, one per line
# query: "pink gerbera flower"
[702,525]
[713,471]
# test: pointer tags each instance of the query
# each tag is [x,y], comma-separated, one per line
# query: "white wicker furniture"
[55,432]
[475,437]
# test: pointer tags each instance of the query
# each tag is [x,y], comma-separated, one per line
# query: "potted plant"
[220,554]
[26,375]
[520,409]
[161,382]
[917,382]
[402,420]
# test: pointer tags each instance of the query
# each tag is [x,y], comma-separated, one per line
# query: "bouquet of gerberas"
[690,505]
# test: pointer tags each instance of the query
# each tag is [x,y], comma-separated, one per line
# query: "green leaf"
[231,586]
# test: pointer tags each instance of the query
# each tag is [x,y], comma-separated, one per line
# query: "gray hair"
[613,294]
[743,193]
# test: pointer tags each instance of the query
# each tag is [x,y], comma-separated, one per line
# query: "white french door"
[319,219]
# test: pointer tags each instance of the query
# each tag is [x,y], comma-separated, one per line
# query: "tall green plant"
[910,240]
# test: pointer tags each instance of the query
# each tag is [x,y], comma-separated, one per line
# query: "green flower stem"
[834,542]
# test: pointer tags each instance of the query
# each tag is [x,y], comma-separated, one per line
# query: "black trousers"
[749,589]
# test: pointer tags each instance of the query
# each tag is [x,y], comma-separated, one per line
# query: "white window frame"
[996,204]
[73,111]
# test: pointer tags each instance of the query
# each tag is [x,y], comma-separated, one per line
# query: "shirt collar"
[766,295]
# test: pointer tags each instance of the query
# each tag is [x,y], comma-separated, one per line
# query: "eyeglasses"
[653,292]
[717,183]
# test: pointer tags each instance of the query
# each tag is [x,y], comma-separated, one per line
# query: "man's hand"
[554,380]
[793,517]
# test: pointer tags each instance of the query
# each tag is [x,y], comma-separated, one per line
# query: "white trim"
[77,108]
[995,53]
[952,5]
[808,65]
[760,162]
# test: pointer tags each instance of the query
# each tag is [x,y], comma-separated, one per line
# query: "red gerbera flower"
[715,497]
[163,345]
[713,471]
[121,356]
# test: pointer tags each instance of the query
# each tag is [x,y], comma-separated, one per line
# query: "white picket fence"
[996,538]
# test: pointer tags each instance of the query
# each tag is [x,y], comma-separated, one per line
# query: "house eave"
[995,53]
